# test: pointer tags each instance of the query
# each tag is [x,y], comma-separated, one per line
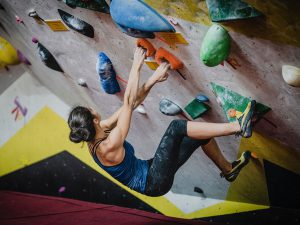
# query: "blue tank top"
[131,172]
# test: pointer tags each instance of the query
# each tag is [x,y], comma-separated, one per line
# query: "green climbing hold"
[229,99]
[215,46]
[220,10]
[195,108]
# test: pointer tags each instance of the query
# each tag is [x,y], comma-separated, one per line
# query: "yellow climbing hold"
[8,54]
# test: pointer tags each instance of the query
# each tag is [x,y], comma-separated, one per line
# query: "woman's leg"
[180,140]
[212,150]
[174,150]
[165,162]
[203,130]
[243,126]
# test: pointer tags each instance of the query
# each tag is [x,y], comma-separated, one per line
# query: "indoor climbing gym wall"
[57,54]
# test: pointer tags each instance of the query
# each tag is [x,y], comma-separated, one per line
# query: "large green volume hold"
[229,99]
[215,46]
[224,10]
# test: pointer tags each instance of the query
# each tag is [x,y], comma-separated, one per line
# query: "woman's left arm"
[119,133]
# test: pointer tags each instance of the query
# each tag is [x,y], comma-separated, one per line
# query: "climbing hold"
[81,82]
[8,54]
[231,113]
[138,15]
[46,56]
[198,190]
[135,33]
[32,13]
[96,5]
[215,46]
[164,55]
[220,10]
[195,109]
[34,40]
[107,74]
[141,109]
[22,58]
[76,24]
[62,189]
[291,75]
[19,20]
[145,44]
[254,155]
[169,108]
[229,99]
[202,98]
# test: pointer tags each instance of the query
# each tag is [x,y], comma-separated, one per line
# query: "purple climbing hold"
[34,40]
[22,58]
[62,189]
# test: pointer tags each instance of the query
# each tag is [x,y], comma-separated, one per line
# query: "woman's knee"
[178,124]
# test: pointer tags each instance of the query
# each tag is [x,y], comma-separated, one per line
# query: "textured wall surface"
[259,75]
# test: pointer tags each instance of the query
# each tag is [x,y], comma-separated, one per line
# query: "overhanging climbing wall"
[259,48]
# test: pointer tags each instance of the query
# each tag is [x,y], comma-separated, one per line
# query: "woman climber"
[108,146]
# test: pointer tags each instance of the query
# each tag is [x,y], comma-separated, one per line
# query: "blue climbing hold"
[138,15]
[202,98]
[107,74]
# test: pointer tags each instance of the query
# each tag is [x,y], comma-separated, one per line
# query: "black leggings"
[174,150]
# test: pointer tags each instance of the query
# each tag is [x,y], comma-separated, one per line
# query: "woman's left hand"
[160,73]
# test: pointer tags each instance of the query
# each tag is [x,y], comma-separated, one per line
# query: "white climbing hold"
[141,109]
[291,75]
[81,82]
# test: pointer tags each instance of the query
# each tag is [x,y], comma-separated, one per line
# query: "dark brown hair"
[81,124]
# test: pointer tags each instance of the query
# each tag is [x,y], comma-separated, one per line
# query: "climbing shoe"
[245,120]
[237,166]
[248,130]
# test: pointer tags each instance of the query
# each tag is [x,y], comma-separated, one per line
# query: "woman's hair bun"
[81,124]
[81,134]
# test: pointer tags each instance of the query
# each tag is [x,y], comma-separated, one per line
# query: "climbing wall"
[259,48]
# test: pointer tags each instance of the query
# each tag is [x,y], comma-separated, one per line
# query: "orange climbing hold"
[231,113]
[254,155]
[141,42]
[163,55]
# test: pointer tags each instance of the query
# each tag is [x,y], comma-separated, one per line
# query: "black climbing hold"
[48,59]
[198,190]
[76,24]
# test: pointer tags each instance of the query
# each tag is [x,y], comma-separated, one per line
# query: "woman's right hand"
[138,58]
